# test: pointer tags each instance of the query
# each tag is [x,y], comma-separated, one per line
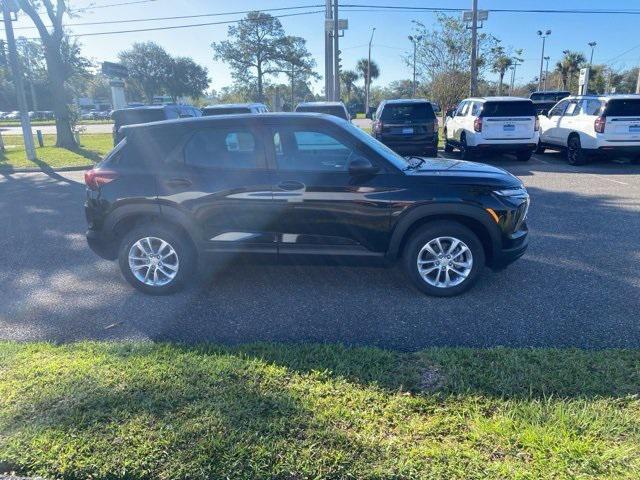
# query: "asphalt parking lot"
[578,285]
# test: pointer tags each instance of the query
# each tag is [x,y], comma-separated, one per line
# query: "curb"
[40,170]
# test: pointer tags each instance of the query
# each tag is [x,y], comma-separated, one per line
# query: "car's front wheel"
[156,259]
[448,148]
[443,258]
[524,156]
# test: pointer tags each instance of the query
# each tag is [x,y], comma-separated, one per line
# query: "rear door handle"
[178,182]
[291,185]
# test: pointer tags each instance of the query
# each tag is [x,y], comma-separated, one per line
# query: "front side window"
[224,148]
[572,109]
[307,149]
[559,109]
[462,109]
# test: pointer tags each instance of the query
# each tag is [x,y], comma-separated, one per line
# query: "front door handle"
[291,185]
[178,182]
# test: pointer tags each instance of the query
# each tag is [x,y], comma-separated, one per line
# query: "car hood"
[469,171]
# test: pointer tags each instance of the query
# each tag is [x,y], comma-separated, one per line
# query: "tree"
[58,69]
[400,89]
[185,78]
[297,63]
[254,49]
[148,65]
[361,68]
[500,65]
[348,79]
[570,63]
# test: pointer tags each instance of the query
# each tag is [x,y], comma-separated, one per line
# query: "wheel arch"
[474,218]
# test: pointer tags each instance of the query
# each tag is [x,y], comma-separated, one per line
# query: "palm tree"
[570,63]
[500,65]
[348,78]
[361,68]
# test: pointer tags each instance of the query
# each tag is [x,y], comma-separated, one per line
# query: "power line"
[94,7]
[373,8]
[180,17]
[173,27]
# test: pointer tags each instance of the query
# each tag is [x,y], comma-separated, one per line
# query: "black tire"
[540,148]
[432,152]
[430,232]
[186,257]
[575,153]
[524,156]
[448,148]
[465,152]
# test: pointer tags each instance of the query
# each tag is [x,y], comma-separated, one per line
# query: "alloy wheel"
[445,262]
[153,261]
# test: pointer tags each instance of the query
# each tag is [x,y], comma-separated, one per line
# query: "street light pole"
[415,41]
[544,36]
[474,49]
[18,81]
[586,83]
[367,81]
[546,72]
[336,53]
[593,47]
[328,53]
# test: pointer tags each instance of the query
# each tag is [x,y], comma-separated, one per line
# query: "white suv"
[506,124]
[589,125]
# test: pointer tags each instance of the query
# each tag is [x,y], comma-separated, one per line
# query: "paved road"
[578,285]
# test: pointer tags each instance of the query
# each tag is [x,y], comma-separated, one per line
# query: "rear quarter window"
[409,112]
[623,108]
[508,109]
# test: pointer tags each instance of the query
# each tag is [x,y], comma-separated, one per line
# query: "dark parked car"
[544,101]
[337,109]
[173,194]
[147,114]
[408,127]
[234,108]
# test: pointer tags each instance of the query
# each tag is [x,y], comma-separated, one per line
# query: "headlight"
[512,192]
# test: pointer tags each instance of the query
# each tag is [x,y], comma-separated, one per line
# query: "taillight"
[96,177]
[477,124]
[536,125]
[599,124]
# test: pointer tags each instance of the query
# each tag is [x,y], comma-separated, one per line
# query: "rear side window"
[591,107]
[407,112]
[224,148]
[623,108]
[508,109]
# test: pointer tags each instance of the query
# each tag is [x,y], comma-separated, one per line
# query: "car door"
[569,122]
[324,208]
[551,123]
[219,180]
[459,120]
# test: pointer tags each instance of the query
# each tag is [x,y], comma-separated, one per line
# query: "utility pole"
[328,53]
[544,36]
[367,81]
[546,72]
[586,85]
[638,82]
[415,41]
[18,81]
[336,52]
[474,49]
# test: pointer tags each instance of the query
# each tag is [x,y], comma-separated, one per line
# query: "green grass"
[157,411]
[93,147]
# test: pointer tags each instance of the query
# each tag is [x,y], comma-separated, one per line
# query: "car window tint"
[475,110]
[591,107]
[508,109]
[623,108]
[407,112]
[572,109]
[223,148]
[462,109]
[558,109]
[310,150]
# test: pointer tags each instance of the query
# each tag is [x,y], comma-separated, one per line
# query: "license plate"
[509,128]
[407,131]
[634,128]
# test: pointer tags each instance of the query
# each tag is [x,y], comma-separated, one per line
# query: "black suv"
[544,101]
[147,114]
[408,127]
[173,194]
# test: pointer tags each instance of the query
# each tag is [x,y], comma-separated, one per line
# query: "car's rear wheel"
[443,258]
[524,156]
[575,153]
[431,152]
[465,153]
[156,259]
[540,148]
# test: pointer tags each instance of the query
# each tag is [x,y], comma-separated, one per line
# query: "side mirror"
[360,166]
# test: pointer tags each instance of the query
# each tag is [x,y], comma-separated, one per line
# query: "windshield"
[549,96]
[336,111]
[380,148]
[407,113]
[132,117]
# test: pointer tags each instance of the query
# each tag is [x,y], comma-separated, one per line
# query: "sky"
[615,34]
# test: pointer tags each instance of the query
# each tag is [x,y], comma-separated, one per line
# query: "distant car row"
[582,126]
[38,115]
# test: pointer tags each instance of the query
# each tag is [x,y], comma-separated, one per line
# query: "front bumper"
[510,253]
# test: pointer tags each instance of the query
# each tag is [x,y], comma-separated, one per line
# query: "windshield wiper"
[420,161]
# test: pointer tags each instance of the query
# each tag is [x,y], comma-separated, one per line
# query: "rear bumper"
[100,245]
[618,149]
[506,147]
